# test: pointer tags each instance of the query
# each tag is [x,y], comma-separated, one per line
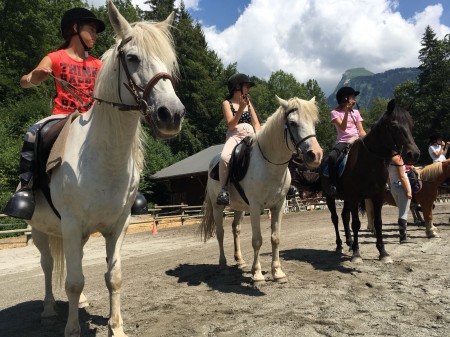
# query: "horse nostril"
[310,155]
[163,114]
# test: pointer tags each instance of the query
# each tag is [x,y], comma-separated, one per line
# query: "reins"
[133,88]
[286,130]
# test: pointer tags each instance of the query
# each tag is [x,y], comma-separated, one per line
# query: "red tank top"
[81,75]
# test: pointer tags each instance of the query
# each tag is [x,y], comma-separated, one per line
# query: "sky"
[316,39]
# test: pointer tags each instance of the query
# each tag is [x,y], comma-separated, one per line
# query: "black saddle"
[239,162]
[45,139]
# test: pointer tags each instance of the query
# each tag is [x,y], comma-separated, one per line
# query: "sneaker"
[223,198]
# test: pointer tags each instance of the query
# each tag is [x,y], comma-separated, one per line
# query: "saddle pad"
[57,152]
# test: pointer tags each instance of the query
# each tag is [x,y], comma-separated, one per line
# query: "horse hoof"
[386,260]
[432,234]
[281,279]
[241,263]
[357,259]
[339,250]
[83,304]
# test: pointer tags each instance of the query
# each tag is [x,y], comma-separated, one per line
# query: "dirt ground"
[172,285]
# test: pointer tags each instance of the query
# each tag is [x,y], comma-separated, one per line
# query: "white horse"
[291,129]
[94,187]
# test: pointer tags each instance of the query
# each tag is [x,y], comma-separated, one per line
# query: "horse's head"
[398,133]
[138,73]
[301,118]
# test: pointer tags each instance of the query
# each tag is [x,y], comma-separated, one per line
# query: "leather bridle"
[292,138]
[133,88]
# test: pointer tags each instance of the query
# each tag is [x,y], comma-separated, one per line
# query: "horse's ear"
[313,99]
[170,19]
[119,23]
[282,102]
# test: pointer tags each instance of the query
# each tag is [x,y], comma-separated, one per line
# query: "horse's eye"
[132,58]
[293,124]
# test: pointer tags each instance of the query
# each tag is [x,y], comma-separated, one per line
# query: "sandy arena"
[172,285]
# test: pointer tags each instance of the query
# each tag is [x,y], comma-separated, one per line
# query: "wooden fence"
[184,212]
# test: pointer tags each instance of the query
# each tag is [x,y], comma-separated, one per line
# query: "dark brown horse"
[432,177]
[365,175]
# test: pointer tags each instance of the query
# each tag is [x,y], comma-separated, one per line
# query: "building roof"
[193,165]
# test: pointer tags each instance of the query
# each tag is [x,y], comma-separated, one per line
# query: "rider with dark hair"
[348,126]
[242,121]
[72,64]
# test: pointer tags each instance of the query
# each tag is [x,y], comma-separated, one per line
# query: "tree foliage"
[30,30]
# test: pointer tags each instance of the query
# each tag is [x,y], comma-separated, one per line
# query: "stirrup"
[21,205]
[223,198]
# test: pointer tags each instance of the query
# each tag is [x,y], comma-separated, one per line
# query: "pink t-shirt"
[79,74]
[351,131]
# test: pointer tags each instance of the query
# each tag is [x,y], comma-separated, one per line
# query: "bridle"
[397,149]
[287,130]
[133,88]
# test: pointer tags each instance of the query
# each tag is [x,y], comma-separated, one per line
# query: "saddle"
[50,133]
[340,165]
[238,166]
[414,181]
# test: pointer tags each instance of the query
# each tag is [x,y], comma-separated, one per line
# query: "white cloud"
[320,39]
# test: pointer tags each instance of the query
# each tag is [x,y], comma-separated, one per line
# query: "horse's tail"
[57,250]
[362,206]
[207,227]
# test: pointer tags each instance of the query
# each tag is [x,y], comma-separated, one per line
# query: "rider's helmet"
[79,16]
[345,92]
[236,80]
[140,205]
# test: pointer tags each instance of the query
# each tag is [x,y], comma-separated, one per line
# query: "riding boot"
[223,198]
[402,224]
[21,204]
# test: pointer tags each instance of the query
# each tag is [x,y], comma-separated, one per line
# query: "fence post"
[29,238]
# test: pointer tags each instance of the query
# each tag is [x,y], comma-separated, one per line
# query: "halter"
[133,88]
[286,130]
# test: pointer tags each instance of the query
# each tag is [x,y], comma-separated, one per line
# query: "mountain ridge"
[372,85]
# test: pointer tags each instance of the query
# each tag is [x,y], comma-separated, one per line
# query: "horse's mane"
[399,114]
[152,40]
[308,112]
[431,172]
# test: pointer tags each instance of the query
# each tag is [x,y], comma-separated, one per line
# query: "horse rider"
[348,124]
[75,72]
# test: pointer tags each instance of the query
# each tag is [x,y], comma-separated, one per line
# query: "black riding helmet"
[344,93]
[235,80]
[79,16]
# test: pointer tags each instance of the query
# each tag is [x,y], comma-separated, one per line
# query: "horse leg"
[113,277]
[42,244]
[369,213]
[236,225]
[277,214]
[72,241]
[346,221]
[257,275]
[430,229]
[356,226]
[218,219]
[335,219]
[83,302]
[378,223]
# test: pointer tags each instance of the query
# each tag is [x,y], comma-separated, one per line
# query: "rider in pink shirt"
[348,126]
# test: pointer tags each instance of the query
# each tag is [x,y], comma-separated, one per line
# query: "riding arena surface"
[172,285]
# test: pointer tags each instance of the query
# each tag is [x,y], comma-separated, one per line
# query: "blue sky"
[316,39]
[224,13]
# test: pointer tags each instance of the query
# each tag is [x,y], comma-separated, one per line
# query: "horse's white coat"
[96,184]
[265,183]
